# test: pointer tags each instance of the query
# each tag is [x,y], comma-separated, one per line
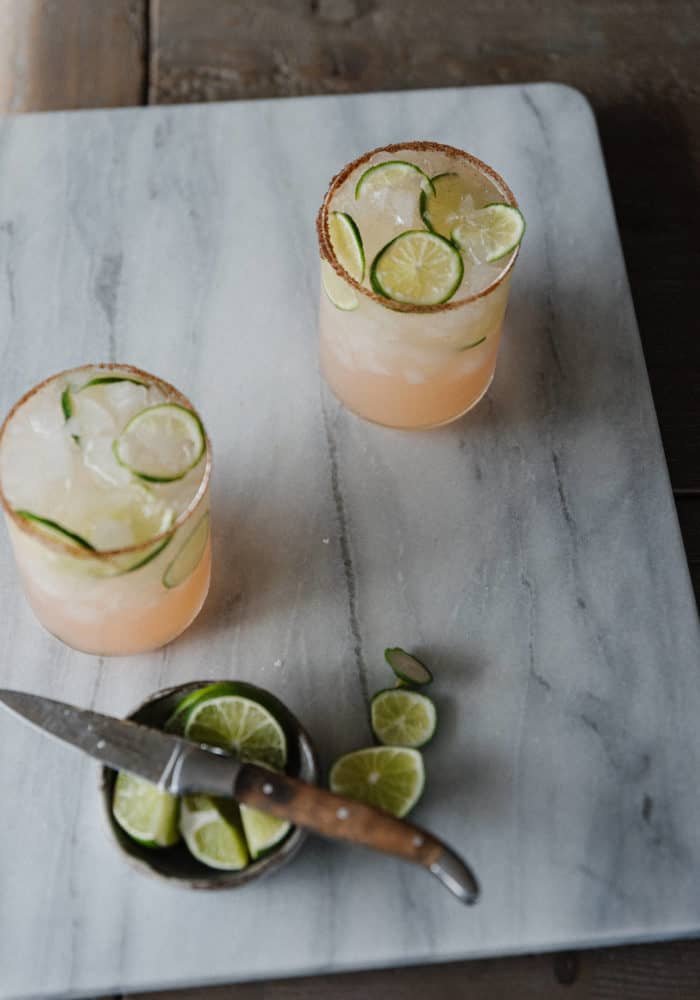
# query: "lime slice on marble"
[212,830]
[407,668]
[391,778]
[161,443]
[238,723]
[403,718]
[418,268]
[189,555]
[146,813]
[490,233]
[394,173]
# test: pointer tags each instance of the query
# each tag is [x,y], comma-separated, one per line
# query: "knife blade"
[182,767]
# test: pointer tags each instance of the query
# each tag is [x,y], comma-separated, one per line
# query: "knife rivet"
[267,788]
[342,813]
[418,841]
[101,744]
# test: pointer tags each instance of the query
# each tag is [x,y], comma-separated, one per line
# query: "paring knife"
[181,767]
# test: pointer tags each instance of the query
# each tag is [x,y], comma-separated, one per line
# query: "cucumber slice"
[407,668]
[189,555]
[392,172]
[161,443]
[52,529]
[417,267]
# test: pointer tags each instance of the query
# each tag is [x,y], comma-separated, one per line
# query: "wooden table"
[636,60]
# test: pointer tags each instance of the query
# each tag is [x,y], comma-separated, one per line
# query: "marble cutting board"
[531,551]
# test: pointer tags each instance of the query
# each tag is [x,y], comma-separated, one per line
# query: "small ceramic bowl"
[176,864]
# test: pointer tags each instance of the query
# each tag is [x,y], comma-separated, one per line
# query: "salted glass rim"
[326,247]
[29,528]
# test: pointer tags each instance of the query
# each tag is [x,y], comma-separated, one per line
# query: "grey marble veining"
[530,551]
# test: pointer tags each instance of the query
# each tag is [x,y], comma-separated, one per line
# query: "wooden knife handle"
[345,819]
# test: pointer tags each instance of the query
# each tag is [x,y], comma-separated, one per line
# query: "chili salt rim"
[29,528]
[324,239]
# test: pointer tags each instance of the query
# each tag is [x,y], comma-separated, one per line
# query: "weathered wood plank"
[648,972]
[636,60]
[57,54]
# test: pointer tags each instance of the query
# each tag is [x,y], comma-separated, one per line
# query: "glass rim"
[420,146]
[28,527]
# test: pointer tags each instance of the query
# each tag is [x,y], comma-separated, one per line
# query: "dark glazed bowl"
[176,864]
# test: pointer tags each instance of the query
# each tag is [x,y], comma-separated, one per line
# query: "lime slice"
[146,813]
[417,267]
[393,173]
[407,668]
[161,443]
[111,379]
[443,207]
[262,831]
[52,529]
[490,233]
[177,721]
[189,556]
[391,778]
[212,830]
[347,244]
[241,724]
[403,718]
[342,295]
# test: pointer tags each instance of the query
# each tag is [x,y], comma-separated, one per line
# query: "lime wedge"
[490,233]
[417,267]
[212,830]
[403,718]
[262,831]
[146,813]
[189,556]
[407,668]
[347,244]
[241,724]
[342,295]
[52,529]
[393,173]
[391,778]
[161,443]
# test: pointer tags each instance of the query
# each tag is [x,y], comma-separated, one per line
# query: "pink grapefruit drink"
[104,482]
[417,245]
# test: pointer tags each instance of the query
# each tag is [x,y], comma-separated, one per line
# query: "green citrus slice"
[403,718]
[391,778]
[393,173]
[418,268]
[52,529]
[443,207]
[490,233]
[347,244]
[262,831]
[212,830]
[234,722]
[161,443]
[407,668]
[189,556]
[146,813]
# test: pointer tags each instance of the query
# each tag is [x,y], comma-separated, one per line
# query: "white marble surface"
[531,551]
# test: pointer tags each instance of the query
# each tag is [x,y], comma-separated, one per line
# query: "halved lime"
[417,267]
[342,295]
[403,718]
[391,778]
[52,529]
[490,233]
[347,244]
[161,443]
[407,668]
[235,722]
[393,173]
[189,556]
[262,831]
[212,831]
[146,813]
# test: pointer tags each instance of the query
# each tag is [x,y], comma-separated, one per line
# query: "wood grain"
[57,54]
[644,972]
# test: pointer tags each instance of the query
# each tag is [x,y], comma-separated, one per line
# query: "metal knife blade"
[174,764]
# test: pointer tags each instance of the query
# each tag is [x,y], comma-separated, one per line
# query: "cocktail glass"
[112,563]
[398,364]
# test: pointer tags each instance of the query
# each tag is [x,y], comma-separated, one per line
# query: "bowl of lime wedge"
[199,841]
